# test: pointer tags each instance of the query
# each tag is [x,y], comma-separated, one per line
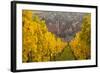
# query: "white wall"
[5,36]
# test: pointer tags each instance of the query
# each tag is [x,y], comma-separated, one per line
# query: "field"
[55,36]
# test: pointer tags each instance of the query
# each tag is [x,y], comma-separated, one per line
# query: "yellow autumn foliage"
[81,43]
[39,45]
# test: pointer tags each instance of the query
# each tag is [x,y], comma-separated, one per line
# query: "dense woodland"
[55,36]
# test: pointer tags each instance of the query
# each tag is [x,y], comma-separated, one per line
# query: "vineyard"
[42,45]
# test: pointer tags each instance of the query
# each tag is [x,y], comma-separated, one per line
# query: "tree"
[38,44]
[81,44]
